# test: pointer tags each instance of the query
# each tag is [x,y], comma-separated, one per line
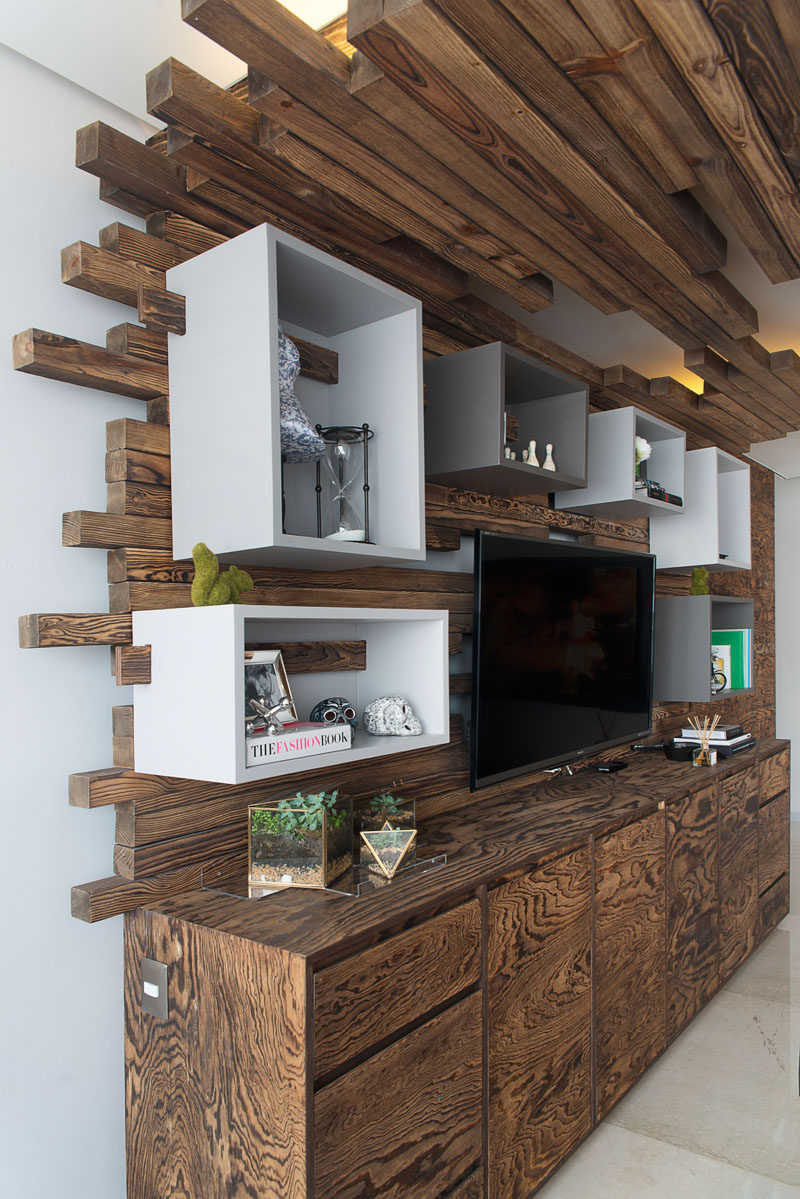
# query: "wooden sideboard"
[457,1033]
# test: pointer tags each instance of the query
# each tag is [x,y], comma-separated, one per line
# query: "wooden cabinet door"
[406,1123]
[630,955]
[539,1022]
[738,868]
[692,906]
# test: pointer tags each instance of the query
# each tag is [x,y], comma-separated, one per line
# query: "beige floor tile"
[772,972]
[727,1088]
[618,1164]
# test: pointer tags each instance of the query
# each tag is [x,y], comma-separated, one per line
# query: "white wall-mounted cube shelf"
[468,395]
[189,720]
[682,644]
[715,530]
[224,407]
[610,472]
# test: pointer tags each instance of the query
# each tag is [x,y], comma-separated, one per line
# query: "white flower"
[642,449]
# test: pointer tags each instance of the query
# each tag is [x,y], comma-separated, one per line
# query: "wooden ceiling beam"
[638,55]
[141,247]
[692,42]
[711,367]
[191,235]
[442,70]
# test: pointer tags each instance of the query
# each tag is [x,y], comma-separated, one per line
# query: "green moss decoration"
[699,581]
[211,587]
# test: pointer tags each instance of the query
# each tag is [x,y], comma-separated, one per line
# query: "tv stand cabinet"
[438,1037]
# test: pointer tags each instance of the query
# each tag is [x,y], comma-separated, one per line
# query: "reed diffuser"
[704,755]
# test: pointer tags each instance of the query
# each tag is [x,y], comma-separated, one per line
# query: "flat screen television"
[562,653]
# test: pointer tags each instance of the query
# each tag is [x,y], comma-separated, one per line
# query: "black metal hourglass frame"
[353,435]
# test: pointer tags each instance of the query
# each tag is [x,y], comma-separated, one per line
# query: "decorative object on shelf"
[344,519]
[300,740]
[388,848]
[391,716]
[300,441]
[548,463]
[734,647]
[267,694]
[335,710]
[507,451]
[641,452]
[719,680]
[532,459]
[703,754]
[386,809]
[209,586]
[306,841]
[699,581]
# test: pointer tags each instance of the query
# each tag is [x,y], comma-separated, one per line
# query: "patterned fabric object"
[300,441]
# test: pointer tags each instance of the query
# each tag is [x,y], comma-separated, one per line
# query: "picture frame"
[265,678]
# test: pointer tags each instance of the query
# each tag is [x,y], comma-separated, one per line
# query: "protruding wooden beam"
[112,896]
[132,665]
[105,274]
[161,310]
[106,530]
[45,630]
[97,788]
[122,720]
[181,231]
[128,434]
[158,411]
[318,657]
[141,343]
[786,365]
[135,466]
[69,361]
[141,248]
[138,499]
[439,538]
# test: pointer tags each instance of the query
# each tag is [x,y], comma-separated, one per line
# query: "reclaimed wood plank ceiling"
[471,153]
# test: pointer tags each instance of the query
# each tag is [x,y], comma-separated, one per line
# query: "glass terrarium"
[382,812]
[306,841]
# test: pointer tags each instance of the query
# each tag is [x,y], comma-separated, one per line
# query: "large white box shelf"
[715,530]
[189,720]
[468,396]
[224,405]
[682,644]
[610,474]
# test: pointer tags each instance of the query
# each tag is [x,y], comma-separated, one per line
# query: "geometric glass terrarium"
[388,849]
[386,812]
[306,841]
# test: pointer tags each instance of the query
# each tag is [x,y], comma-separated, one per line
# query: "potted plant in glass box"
[306,841]
[384,810]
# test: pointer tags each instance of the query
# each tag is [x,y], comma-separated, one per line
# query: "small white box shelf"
[610,476]
[189,720]
[224,406]
[715,530]
[682,644]
[468,396]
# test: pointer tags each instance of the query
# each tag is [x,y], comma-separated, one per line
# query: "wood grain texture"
[773,906]
[629,955]
[43,630]
[773,841]
[140,247]
[141,343]
[539,1022]
[692,905]
[319,657]
[131,498]
[160,310]
[105,274]
[774,775]
[107,530]
[52,356]
[738,869]
[127,434]
[137,466]
[86,787]
[371,996]
[132,664]
[405,1124]
[225,1071]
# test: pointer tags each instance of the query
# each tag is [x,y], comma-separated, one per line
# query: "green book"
[738,643]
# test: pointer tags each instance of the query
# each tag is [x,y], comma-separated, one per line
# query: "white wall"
[61,1049]
[787,623]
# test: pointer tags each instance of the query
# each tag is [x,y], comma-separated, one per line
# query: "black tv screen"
[562,653]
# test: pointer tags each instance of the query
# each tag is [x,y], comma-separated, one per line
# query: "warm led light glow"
[315,12]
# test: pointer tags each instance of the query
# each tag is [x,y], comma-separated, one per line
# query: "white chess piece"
[513,455]
[532,459]
[548,463]
[507,451]
[524,455]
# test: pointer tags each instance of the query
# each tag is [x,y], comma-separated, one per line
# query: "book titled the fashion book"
[301,740]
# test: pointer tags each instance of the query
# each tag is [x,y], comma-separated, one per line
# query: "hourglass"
[346,514]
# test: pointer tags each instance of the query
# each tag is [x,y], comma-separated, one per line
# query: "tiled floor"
[718,1116]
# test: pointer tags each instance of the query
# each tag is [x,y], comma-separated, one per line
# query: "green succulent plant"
[299,816]
[386,805]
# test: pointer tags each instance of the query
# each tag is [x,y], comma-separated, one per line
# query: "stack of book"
[298,740]
[726,739]
[732,650]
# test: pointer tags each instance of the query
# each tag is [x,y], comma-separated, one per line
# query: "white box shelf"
[715,530]
[189,720]
[610,475]
[682,644]
[224,407]
[468,395]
